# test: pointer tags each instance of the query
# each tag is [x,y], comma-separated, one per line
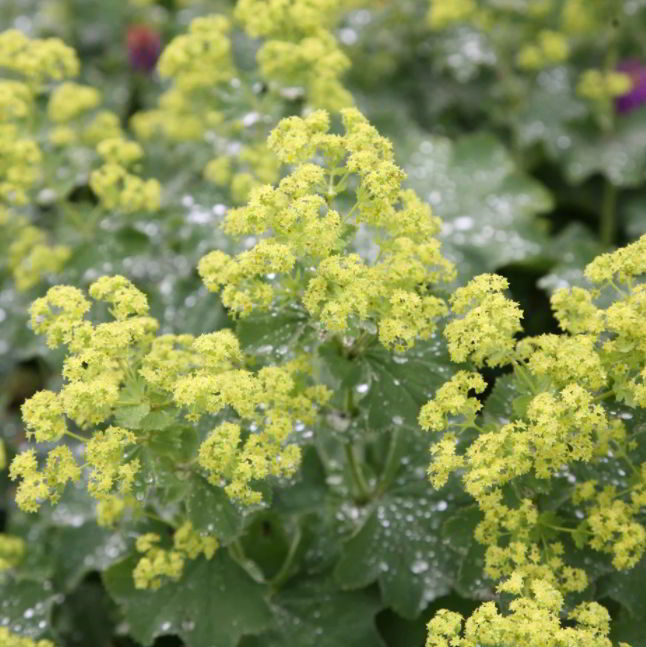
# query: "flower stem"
[607,224]
[81,439]
[283,573]
[390,466]
[357,473]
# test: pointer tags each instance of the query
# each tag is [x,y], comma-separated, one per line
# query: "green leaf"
[157,420]
[571,250]
[550,108]
[87,617]
[398,385]
[131,416]
[505,400]
[488,207]
[270,333]
[628,629]
[26,606]
[399,542]
[627,588]
[312,613]
[620,156]
[580,535]
[308,491]
[458,529]
[632,214]
[210,510]
[78,550]
[212,605]
[458,533]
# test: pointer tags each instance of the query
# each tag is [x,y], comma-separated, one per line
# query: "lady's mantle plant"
[266,483]
[149,416]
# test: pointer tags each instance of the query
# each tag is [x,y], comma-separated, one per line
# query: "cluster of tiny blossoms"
[198,63]
[32,65]
[8,639]
[12,550]
[559,421]
[300,48]
[44,114]
[120,371]
[305,251]
[205,82]
[157,563]
[534,620]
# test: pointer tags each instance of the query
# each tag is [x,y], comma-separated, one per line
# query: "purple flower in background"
[144,47]
[633,99]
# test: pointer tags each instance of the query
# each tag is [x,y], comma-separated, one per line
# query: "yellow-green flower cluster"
[579,17]
[118,150]
[118,189]
[37,60]
[565,359]
[300,49]
[16,99]
[485,332]
[95,370]
[157,563]
[559,420]
[104,454]
[522,558]
[205,376]
[197,63]
[268,400]
[533,620]
[308,242]
[199,375]
[600,85]
[69,119]
[560,429]
[611,521]
[12,550]
[20,165]
[252,167]
[30,257]
[202,57]
[37,486]
[551,47]
[8,639]
[452,399]
[444,13]
[69,100]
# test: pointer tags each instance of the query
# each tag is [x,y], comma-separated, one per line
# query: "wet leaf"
[620,156]
[26,606]
[488,207]
[399,544]
[210,510]
[399,384]
[314,613]
[212,605]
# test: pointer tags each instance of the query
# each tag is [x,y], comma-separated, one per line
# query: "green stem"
[71,434]
[283,573]
[357,474]
[604,396]
[236,552]
[607,224]
[390,466]
[155,517]
[562,529]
